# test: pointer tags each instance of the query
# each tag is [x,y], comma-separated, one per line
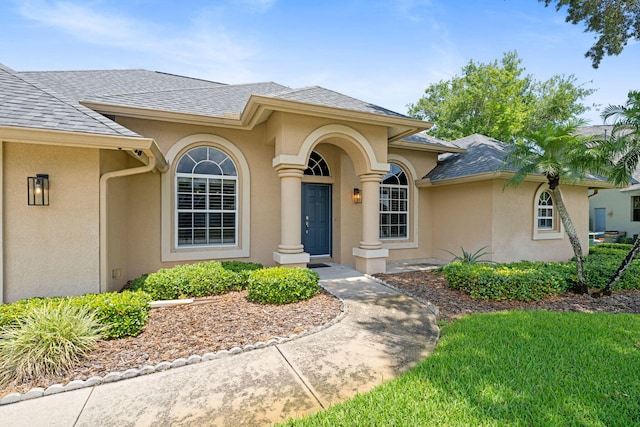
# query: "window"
[545,211]
[206,199]
[635,208]
[394,209]
[317,166]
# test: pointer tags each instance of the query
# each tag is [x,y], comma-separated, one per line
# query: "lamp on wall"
[38,190]
[356,196]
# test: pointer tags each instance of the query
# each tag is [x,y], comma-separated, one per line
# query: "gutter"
[150,166]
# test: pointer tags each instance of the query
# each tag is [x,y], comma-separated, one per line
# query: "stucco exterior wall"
[462,217]
[514,210]
[617,205]
[50,250]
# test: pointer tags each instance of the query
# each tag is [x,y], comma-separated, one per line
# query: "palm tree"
[556,152]
[623,145]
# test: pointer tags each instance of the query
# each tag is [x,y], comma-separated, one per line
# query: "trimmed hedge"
[524,281]
[196,280]
[122,314]
[603,261]
[281,285]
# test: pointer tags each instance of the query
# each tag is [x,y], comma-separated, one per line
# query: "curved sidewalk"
[383,334]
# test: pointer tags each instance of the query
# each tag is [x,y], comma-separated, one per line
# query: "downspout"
[104,274]
[595,191]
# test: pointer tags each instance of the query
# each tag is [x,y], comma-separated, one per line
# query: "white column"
[290,250]
[370,256]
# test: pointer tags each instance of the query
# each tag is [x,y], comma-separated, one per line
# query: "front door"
[316,219]
[600,220]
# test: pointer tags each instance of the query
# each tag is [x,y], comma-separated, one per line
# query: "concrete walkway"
[382,335]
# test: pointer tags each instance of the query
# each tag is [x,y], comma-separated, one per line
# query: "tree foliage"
[499,100]
[557,152]
[623,149]
[614,21]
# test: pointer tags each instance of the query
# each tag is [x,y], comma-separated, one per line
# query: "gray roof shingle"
[483,155]
[167,92]
[24,103]
[423,138]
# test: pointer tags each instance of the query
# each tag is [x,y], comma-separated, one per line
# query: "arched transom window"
[394,204]
[206,199]
[317,166]
[545,212]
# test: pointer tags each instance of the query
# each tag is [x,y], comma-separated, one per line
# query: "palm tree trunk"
[633,253]
[581,287]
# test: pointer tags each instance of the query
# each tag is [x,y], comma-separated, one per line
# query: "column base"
[371,261]
[291,260]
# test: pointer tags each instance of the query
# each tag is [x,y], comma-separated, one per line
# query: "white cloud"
[204,48]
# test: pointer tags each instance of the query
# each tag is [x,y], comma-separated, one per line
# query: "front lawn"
[522,368]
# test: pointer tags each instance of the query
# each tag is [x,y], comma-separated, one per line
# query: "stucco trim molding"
[243,249]
[328,131]
[558,232]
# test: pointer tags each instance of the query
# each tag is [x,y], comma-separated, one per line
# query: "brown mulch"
[208,325]
[452,303]
[227,321]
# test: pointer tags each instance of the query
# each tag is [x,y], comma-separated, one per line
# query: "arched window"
[317,166]
[206,199]
[545,215]
[394,204]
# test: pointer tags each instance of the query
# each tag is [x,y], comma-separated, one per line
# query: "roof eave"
[427,182]
[418,146]
[83,140]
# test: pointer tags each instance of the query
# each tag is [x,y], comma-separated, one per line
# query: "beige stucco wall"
[50,250]
[484,213]
[258,147]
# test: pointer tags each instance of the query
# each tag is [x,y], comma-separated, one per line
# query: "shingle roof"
[167,92]
[422,138]
[483,155]
[79,85]
[214,101]
[25,103]
[320,96]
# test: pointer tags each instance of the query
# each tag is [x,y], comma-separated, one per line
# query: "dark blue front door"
[316,219]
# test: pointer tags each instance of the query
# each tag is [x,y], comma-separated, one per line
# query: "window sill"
[199,254]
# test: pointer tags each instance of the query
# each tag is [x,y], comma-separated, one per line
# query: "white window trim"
[242,249]
[411,241]
[557,232]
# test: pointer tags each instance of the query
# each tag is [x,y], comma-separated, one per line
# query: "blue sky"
[382,51]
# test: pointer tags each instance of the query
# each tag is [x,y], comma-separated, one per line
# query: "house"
[129,171]
[613,212]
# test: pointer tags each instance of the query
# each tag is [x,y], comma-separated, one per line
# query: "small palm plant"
[469,257]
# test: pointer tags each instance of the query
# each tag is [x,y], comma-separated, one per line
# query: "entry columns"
[290,250]
[370,257]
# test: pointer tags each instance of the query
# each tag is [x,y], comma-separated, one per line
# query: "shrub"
[600,266]
[524,281]
[282,285]
[47,340]
[195,280]
[242,272]
[122,314]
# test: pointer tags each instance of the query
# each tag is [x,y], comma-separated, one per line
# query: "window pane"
[200,200]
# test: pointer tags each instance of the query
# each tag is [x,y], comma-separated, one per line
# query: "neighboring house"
[614,211]
[146,170]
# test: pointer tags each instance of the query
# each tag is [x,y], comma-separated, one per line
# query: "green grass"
[519,368]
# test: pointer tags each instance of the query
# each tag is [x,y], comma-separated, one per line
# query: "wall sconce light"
[38,190]
[356,196]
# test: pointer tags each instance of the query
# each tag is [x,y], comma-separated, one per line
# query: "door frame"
[330,217]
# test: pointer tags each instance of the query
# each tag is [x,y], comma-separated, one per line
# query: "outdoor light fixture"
[356,196]
[38,190]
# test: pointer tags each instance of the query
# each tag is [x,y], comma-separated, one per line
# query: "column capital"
[290,171]
[371,177]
